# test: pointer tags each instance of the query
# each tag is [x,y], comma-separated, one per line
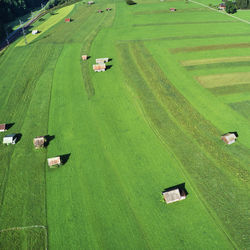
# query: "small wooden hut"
[84,57]
[101,60]
[39,142]
[222,6]
[229,138]
[54,162]
[174,195]
[172,9]
[3,127]
[99,67]
[10,139]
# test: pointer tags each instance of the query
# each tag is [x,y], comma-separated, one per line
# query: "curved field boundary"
[215,60]
[54,19]
[219,80]
[240,19]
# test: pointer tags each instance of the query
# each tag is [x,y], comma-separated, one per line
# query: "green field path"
[144,125]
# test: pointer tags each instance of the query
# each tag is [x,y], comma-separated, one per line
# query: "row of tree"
[242,4]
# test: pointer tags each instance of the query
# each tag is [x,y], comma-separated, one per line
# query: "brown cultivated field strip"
[215,60]
[211,47]
[194,140]
[181,23]
[227,90]
[219,80]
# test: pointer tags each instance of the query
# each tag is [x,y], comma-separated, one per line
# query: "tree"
[242,4]
[231,7]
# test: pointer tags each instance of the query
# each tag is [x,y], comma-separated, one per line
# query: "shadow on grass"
[181,187]
[48,139]
[64,158]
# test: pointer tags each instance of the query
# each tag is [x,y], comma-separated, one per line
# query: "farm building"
[84,57]
[229,138]
[101,60]
[172,9]
[99,67]
[222,6]
[174,195]
[67,20]
[54,162]
[34,32]
[10,139]
[108,9]
[3,127]
[39,142]
[90,2]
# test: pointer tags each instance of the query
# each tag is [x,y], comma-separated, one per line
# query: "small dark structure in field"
[172,9]
[84,57]
[90,2]
[67,20]
[175,193]
[108,9]
[222,6]
[10,139]
[39,142]
[101,60]
[34,32]
[54,162]
[99,67]
[229,137]
[3,127]
[99,11]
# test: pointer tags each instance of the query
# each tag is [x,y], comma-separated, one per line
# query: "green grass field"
[144,125]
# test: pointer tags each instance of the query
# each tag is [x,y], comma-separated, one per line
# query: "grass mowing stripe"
[218,65]
[219,80]
[215,60]
[242,108]
[211,47]
[237,97]
[198,48]
[227,90]
[191,161]
[54,19]
[180,23]
[170,12]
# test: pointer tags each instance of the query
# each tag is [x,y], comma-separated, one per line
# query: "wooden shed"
[101,60]
[222,6]
[67,20]
[229,138]
[10,139]
[174,195]
[3,127]
[54,162]
[39,142]
[99,67]
[172,9]
[84,57]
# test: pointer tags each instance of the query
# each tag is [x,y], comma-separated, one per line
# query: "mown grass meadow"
[151,121]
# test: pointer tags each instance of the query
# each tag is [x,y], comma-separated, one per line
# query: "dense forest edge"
[13,9]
